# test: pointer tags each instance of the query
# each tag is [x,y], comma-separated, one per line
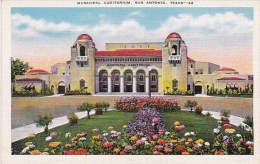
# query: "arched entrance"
[140,74]
[128,76]
[154,80]
[198,89]
[61,87]
[115,75]
[103,81]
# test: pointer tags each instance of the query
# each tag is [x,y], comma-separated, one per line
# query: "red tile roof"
[84,36]
[37,71]
[190,59]
[231,78]
[29,79]
[173,35]
[130,52]
[226,69]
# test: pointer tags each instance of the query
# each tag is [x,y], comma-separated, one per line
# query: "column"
[147,84]
[134,84]
[97,84]
[109,84]
[121,84]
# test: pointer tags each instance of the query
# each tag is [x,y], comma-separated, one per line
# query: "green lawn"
[199,124]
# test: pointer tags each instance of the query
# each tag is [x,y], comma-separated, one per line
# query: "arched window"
[141,77]
[174,50]
[175,84]
[191,66]
[82,51]
[82,84]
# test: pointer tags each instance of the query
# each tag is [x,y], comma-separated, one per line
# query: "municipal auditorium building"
[131,67]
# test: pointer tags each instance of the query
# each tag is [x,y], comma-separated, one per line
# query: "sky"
[44,36]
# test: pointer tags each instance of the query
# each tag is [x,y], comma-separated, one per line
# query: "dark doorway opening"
[116,88]
[141,88]
[61,89]
[198,89]
[129,88]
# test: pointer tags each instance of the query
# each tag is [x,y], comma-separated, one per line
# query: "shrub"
[225,113]
[230,92]
[44,121]
[86,107]
[249,121]
[73,118]
[208,114]
[190,104]
[189,92]
[198,109]
[106,106]
[234,92]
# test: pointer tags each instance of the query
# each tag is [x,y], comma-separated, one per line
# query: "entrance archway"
[115,78]
[154,80]
[140,87]
[61,87]
[128,80]
[198,88]
[103,81]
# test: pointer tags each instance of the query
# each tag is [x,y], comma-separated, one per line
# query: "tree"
[190,104]
[86,107]
[18,67]
[44,121]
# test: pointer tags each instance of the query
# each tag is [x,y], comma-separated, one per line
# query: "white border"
[6,92]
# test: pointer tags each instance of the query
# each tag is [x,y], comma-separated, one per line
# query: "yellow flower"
[80,135]
[116,150]
[68,145]
[189,150]
[174,141]
[124,126]
[54,144]
[152,142]
[35,152]
[95,138]
[46,149]
[219,122]
[189,139]
[201,141]
[110,128]
[31,136]
[185,153]
[176,123]
[133,139]
[230,131]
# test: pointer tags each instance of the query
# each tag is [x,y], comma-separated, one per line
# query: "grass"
[199,124]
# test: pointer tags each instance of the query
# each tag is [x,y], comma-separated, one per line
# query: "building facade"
[134,68]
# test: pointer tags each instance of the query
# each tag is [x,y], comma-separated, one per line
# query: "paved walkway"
[24,131]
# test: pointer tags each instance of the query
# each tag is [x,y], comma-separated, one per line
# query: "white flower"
[48,138]
[113,132]
[238,135]
[199,144]
[225,138]
[207,144]
[44,153]
[25,150]
[216,131]
[105,134]
[119,133]
[143,138]
[67,135]
[167,133]
[187,134]
[31,146]
[219,127]
[146,143]
[192,133]
[82,139]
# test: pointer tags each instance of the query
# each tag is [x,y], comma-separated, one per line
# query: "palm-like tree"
[86,107]
[44,121]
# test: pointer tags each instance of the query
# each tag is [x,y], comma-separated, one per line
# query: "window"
[191,66]
[82,64]
[153,86]
[82,84]
[116,78]
[104,86]
[104,77]
[188,87]
[141,77]
[175,84]
[189,73]
[153,77]
[128,78]
[82,51]
[196,73]
[174,50]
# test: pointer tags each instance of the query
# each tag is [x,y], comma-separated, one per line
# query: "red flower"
[122,153]
[81,151]
[181,148]
[161,141]
[220,152]
[227,126]
[108,145]
[69,152]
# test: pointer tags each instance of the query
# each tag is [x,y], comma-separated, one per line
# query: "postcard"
[130,81]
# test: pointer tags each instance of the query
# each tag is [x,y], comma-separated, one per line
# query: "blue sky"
[208,32]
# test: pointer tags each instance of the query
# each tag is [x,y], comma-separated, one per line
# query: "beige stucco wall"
[148,45]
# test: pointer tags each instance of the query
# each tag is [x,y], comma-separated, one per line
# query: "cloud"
[136,13]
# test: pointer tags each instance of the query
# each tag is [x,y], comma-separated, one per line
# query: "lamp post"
[149,81]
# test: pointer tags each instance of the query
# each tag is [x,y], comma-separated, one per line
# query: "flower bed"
[174,141]
[133,104]
[146,122]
